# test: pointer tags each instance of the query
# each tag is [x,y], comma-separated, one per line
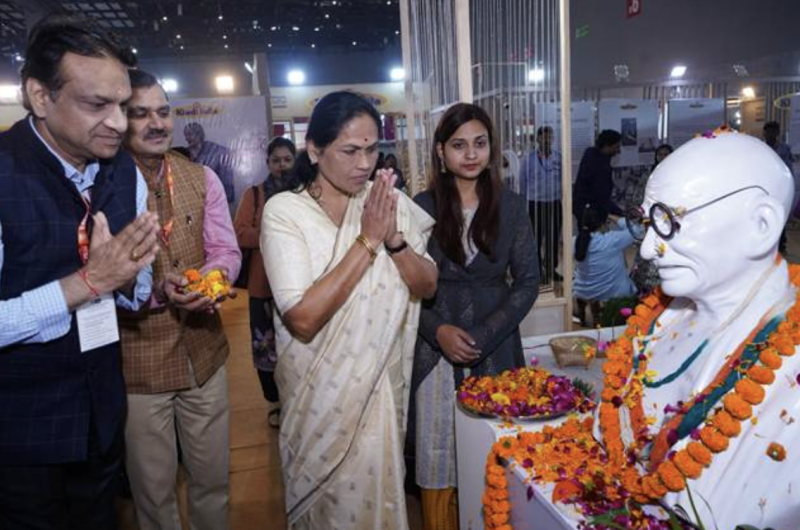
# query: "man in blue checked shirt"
[75,243]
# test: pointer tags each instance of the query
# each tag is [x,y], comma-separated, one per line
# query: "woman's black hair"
[56,35]
[659,148]
[330,115]
[280,141]
[592,219]
[449,214]
[607,137]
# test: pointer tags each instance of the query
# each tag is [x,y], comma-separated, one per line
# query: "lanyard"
[166,230]
[83,231]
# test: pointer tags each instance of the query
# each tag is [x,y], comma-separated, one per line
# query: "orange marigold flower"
[614,368]
[565,491]
[761,375]
[496,494]
[687,465]
[750,391]
[501,507]
[776,452]
[653,487]
[713,439]
[783,344]
[700,452]
[770,358]
[671,476]
[737,407]
[499,519]
[613,381]
[726,424]
[193,275]
[496,482]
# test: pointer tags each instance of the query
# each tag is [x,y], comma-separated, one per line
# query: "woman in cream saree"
[345,384]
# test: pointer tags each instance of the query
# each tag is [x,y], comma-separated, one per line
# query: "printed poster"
[637,121]
[690,117]
[227,134]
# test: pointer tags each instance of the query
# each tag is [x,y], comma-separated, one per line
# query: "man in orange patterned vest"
[174,353]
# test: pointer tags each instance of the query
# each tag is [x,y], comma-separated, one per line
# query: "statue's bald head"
[709,167]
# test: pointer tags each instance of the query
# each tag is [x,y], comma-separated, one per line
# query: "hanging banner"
[690,117]
[634,8]
[794,124]
[583,129]
[229,135]
[637,121]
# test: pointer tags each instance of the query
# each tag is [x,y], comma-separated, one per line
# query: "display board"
[794,124]
[583,127]
[754,115]
[690,117]
[637,121]
[229,135]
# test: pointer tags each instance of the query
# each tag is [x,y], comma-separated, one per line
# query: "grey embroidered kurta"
[488,298]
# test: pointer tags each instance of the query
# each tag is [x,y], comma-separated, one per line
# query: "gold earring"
[443,168]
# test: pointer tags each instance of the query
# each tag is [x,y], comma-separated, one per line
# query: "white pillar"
[464,51]
[417,180]
[566,152]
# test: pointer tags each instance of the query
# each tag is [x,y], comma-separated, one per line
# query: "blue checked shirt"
[41,314]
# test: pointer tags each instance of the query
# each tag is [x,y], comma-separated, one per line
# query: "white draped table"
[475,436]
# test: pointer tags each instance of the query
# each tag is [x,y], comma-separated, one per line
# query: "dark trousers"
[546,221]
[72,496]
[261,325]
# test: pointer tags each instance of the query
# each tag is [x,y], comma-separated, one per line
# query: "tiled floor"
[256,499]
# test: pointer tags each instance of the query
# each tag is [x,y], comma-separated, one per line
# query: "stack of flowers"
[213,284]
[524,393]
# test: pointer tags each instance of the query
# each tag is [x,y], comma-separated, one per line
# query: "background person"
[280,161]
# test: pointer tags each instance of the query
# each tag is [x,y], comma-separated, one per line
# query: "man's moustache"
[155,134]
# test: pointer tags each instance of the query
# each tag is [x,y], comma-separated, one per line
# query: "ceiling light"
[354,43]
[536,75]
[388,2]
[316,29]
[181,46]
[295,28]
[9,94]
[397,74]
[296,77]
[226,46]
[134,50]
[178,36]
[327,15]
[219,17]
[397,32]
[677,71]
[170,86]
[333,3]
[748,92]
[164,18]
[180,9]
[224,37]
[621,72]
[273,28]
[248,67]
[224,84]
[313,45]
[269,45]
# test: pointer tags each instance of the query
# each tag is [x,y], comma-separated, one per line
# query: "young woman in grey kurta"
[484,294]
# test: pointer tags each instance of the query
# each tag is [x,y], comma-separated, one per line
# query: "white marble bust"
[730,196]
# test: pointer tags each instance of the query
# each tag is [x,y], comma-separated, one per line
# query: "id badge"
[97,323]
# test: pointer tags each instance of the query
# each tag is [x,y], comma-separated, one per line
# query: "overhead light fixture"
[536,75]
[170,86]
[220,17]
[748,92]
[273,28]
[397,32]
[181,46]
[178,36]
[678,71]
[165,18]
[19,58]
[295,28]
[740,70]
[313,45]
[621,72]
[224,37]
[327,15]
[134,50]
[248,67]
[180,9]
[397,74]
[296,77]
[269,45]
[316,29]
[9,94]
[354,43]
[226,46]
[224,84]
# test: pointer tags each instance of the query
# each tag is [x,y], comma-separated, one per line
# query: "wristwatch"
[394,250]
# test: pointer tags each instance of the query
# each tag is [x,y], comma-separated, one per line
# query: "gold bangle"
[364,241]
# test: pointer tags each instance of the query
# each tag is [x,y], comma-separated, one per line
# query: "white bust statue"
[719,205]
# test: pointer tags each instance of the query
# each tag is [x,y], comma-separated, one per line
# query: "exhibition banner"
[754,116]
[583,128]
[637,121]
[227,134]
[690,117]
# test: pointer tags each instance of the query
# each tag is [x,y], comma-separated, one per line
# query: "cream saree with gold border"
[344,395]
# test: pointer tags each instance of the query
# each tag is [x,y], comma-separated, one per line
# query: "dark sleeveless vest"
[52,396]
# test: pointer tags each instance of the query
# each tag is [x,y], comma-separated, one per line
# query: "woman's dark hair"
[54,36]
[592,219]
[330,115]
[663,147]
[280,141]
[606,138]
[449,213]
